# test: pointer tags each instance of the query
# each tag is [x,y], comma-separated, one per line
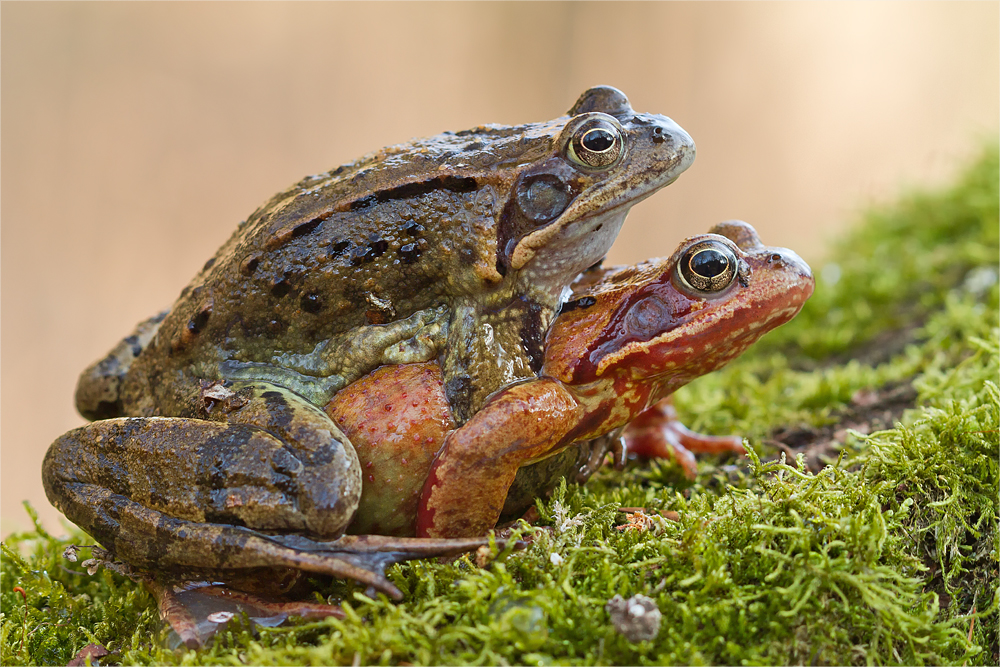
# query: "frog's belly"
[397,418]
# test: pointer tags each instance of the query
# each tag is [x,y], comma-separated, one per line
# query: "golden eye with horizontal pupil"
[598,144]
[708,267]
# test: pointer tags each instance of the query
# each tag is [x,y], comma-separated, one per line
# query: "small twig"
[972,624]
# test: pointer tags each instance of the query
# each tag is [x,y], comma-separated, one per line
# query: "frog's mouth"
[584,239]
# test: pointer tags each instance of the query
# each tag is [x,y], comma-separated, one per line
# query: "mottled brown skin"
[640,334]
[491,223]
[211,456]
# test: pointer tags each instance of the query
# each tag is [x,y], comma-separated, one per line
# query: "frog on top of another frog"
[479,232]
[212,451]
[235,504]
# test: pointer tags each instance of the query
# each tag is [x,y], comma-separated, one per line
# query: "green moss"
[884,556]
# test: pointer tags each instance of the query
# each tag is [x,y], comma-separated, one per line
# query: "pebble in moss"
[637,618]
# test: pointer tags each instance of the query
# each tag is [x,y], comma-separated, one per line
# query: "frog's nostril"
[791,261]
[658,136]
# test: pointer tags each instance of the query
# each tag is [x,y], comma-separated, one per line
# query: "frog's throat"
[582,243]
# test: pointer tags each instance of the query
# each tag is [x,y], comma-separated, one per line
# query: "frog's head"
[538,202]
[565,211]
[671,320]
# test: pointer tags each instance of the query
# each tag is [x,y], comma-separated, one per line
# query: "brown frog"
[212,457]
[479,231]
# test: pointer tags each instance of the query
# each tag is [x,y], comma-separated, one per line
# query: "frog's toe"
[367,556]
[658,433]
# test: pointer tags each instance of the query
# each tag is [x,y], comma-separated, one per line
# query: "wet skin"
[479,232]
[212,455]
[630,337]
[227,493]
[163,500]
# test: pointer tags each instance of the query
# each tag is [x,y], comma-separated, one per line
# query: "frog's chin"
[565,253]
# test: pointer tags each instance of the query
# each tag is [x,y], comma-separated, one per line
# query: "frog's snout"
[665,132]
[789,259]
[791,272]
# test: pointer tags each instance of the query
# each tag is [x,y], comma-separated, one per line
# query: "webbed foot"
[657,433]
[196,609]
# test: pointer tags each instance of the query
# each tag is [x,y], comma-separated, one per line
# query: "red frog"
[627,340]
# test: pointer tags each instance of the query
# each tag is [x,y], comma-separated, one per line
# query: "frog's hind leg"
[215,497]
[658,433]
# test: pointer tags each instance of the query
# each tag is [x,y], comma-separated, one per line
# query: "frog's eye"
[708,267]
[597,144]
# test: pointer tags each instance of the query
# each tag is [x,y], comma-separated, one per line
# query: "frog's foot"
[657,433]
[369,555]
[195,611]
[599,448]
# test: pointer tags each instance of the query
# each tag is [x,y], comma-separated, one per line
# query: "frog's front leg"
[658,433]
[468,483]
[264,482]
[490,349]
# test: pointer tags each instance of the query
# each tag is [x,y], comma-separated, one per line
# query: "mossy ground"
[863,549]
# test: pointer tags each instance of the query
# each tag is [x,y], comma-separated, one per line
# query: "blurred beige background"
[135,136]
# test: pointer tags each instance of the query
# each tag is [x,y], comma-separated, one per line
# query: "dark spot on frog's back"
[409,253]
[411,190]
[249,265]
[339,248]
[281,288]
[134,346]
[413,228]
[376,248]
[311,303]
[582,302]
[197,323]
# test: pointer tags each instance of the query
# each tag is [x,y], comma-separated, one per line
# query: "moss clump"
[884,549]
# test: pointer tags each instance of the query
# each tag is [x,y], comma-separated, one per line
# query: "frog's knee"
[62,474]
[328,495]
